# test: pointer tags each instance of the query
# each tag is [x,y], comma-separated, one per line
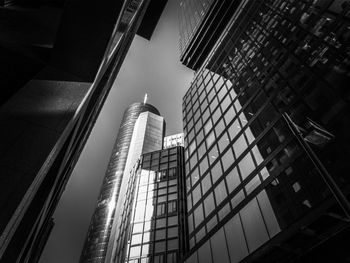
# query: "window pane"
[216,171]
[220,127]
[268,214]
[246,166]
[218,245]
[210,139]
[173,244]
[229,115]
[234,129]
[196,194]
[254,227]
[204,253]
[252,184]
[220,192]
[135,251]
[240,145]
[233,180]
[208,126]
[159,246]
[160,234]
[203,165]
[206,183]
[235,239]
[198,215]
[213,154]
[209,204]
[173,232]
[227,159]
[136,239]
[223,142]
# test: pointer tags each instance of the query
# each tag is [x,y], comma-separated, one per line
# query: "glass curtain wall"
[248,179]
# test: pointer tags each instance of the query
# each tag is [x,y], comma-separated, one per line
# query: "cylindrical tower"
[96,243]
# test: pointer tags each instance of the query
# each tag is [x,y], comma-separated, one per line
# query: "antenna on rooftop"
[145,98]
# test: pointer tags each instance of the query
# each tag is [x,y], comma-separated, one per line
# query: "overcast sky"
[151,67]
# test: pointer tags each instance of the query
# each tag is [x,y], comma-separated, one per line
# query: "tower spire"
[145,98]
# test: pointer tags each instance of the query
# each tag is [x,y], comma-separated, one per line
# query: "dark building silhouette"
[58,62]
[138,133]
[253,192]
[153,223]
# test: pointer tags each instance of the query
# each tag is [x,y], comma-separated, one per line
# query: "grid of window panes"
[191,15]
[236,141]
[154,228]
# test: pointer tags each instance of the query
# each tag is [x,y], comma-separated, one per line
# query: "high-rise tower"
[266,123]
[141,131]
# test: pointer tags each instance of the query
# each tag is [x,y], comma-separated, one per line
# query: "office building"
[254,194]
[173,140]
[153,226]
[141,131]
[59,61]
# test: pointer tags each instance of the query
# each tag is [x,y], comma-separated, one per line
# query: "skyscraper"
[152,226]
[141,131]
[257,189]
[59,61]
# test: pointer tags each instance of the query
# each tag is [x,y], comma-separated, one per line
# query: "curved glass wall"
[96,243]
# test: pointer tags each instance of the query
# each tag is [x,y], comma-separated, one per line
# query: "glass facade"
[251,188]
[152,228]
[99,233]
[192,13]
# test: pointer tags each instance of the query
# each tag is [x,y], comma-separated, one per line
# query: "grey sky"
[152,67]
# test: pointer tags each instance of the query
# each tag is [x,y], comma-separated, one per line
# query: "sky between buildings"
[151,67]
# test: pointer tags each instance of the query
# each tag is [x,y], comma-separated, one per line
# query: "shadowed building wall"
[60,58]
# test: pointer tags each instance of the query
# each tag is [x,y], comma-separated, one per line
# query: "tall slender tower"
[141,130]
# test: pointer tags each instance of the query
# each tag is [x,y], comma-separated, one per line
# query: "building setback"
[59,60]
[253,192]
[141,131]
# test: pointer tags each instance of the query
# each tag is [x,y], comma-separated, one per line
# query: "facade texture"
[191,15]
[59,61]
[132,133]
[152,226]
[253,194]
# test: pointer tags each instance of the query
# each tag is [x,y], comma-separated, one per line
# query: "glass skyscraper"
[152,226]
[141,131]
[253,192]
